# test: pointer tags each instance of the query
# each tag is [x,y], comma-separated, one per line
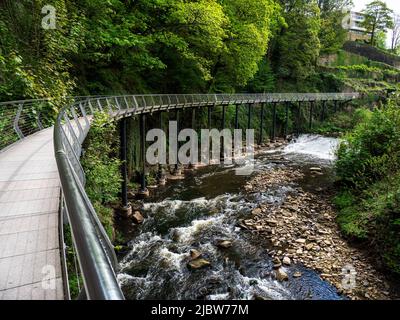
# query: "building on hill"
[352,22]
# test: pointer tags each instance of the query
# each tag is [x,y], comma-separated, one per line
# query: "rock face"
[137,217]
[281,275]
[224,244]
[198,263]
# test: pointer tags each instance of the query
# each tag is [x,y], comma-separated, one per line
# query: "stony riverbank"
[302,230]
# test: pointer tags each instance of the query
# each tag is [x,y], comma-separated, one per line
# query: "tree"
[332,34]
[395,41]
[378,17]
[297,49]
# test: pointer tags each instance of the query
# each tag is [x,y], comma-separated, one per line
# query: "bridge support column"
[143,191]
[260,141]
[323,112]
[311,115]
[298,129]
[161,172]
[249,116]
[335,106]
[193,165]
[124,173]
[222,157]
[209,117]
[287,119]
[237,116]
[177,170]
[273,131]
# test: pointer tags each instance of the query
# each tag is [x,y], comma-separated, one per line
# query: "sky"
[392,4]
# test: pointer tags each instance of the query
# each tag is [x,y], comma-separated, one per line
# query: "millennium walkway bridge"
[42,183]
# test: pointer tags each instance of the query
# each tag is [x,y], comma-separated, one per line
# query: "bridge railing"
[95,253]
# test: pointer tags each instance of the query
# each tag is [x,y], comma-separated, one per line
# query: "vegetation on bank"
[368,167]
[101,164]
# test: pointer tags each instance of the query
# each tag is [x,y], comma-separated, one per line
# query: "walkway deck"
[29,204]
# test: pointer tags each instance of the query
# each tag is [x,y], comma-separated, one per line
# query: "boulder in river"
[224,244]
[286,261]
[198,263]
[281,275]
[137,217]
[194,254]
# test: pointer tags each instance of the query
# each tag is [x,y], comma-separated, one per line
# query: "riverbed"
[206,208]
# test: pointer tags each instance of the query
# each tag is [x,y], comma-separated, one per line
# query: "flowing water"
[197,212]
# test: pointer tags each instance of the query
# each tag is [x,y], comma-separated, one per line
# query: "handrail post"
[16,121]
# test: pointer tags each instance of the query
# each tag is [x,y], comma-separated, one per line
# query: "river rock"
[281,275]
[256,211]
[302,241]
[315,169]
[297,274]
[137,217]
[224,244]
[286,261]
[277,263]
[194,254]
[198,263]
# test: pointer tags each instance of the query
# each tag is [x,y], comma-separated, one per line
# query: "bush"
[102,167]
[368,167]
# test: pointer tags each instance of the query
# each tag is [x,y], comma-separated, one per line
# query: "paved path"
[29,204]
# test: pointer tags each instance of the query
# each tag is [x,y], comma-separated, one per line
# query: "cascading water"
[197,213]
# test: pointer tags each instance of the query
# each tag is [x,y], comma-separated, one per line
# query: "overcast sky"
[392,4]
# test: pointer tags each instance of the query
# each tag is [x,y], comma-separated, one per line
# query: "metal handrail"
[95,252]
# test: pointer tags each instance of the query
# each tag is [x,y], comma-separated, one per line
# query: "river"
[204,208]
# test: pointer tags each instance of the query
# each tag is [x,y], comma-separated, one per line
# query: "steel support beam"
[273,131]
[142,119]
[124,173]
[260,141]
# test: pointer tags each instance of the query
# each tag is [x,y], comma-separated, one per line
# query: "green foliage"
[297,48]
[368,167]
[102,167]
[378,18]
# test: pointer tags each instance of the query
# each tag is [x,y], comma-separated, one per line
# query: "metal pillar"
[237,117]
[161,171]
[249,116]
[273,131]
[298,118]
[223,117]
[323,112]
[176,170]
[261,124]
[311,115]
[142,119]
[209,117]
[193,118]
[287,119]
[124,173]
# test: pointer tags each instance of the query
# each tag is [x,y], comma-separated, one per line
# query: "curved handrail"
[95,252]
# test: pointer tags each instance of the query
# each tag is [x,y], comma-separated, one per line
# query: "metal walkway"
[29,204]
